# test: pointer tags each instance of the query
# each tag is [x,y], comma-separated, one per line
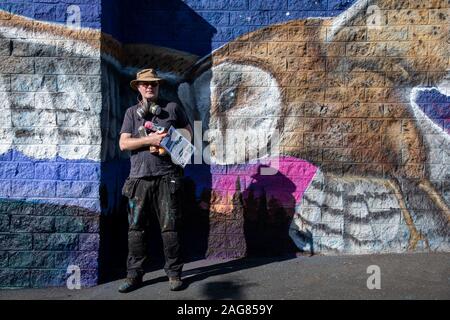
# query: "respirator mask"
[145,109]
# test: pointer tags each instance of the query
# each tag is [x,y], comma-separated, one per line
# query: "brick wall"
[50,141]
[337,87]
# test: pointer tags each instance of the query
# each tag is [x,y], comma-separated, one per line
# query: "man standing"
[154,184]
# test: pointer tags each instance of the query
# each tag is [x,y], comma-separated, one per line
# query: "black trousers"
[154,195]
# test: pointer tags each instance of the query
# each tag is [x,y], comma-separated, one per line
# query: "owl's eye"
[227,99]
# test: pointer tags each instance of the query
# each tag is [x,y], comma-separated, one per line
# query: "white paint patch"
[342,19]
[444,85]
[45,124]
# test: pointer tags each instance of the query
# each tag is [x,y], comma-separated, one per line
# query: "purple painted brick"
[89,242]
[16,170]
[236,253]
[6,156]
[23,188]
[75,189]
[89,172]
[217,227]
[49,171]
[235,227]
[48,278]
[5,188]
[73,171]
[84,259]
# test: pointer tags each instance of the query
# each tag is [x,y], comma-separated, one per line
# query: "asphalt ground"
[401,276]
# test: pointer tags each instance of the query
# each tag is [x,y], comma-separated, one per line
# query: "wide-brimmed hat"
[145,75]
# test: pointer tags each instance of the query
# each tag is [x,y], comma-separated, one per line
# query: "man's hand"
[154,139]
[126,142]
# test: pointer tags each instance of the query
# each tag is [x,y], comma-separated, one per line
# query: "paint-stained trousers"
[155,195]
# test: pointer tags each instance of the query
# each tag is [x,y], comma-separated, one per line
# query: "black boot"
[175,283]
[130,284]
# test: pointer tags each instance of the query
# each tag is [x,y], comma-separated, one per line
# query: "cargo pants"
[158,195]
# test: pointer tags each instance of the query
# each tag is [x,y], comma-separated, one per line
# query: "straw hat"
[145,75]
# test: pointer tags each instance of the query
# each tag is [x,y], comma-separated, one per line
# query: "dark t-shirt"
[143,162]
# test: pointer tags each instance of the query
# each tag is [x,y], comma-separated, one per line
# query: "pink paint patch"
[288,184]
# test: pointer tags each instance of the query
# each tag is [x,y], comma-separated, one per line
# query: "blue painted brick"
[24,188]
[226,34]
[207,4]
[16,170]
[89,172]
[7,156]
[49,171]
[20,157]
[5,188]
[339,4]
[307,5]
[23,9]
[75,189]
[45,12]
[237,5]
[216,18]
[73,171]
[248,18]
[268,5]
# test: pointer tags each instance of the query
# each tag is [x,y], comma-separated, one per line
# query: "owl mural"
[359,105]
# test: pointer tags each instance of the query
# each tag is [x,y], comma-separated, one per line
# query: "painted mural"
[358,94]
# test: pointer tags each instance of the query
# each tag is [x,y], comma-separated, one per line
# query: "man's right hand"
[154,139]
[126,142]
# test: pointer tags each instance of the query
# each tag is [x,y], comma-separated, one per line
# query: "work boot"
[175,283]
[130,284]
